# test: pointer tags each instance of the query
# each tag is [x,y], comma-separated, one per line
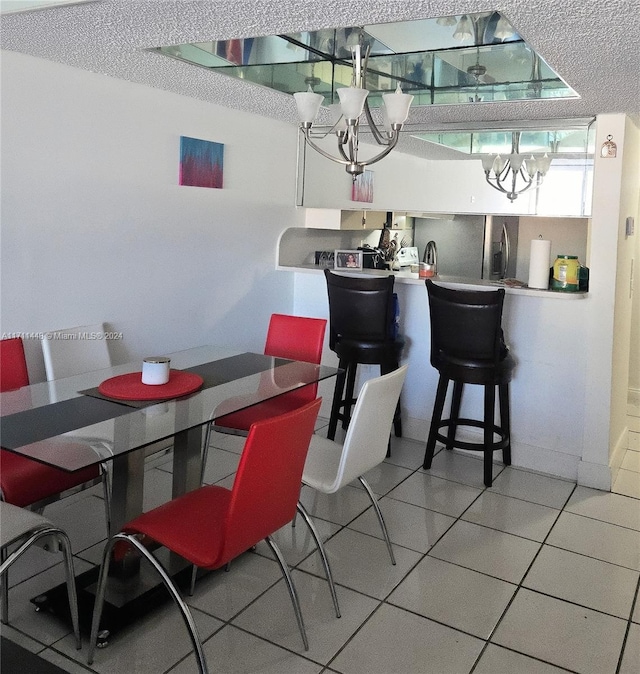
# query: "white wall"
[608,324]
[403,182]
[96,228]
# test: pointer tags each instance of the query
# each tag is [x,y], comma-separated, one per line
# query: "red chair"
[212,525]
[294,338]
[27,483]
[24,482]
[291,337]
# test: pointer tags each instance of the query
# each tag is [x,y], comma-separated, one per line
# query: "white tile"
[340,508]
[512,515]
[405,452]
[593,538]
[39,625]
[223,594]
[633,441]
[563,634]
[220,464]
[605,506]
[228,441]
[394,640]
[627,483]
[83,519]
[461,468]
[362,563]
[486,550]
[636,611]
[66,664]
[631,461]
[232,650]
[542,489]
[271,617]
[434,493]
[152,644]
[408,525]
[583,580]
[631,656]
[450,594]
[497,660]
[296,543]
[384,477]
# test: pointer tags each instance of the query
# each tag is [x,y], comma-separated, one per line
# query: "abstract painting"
[362,187]
[201,162]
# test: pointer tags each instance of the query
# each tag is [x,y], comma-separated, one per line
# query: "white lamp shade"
[352,101]
[516,162]
[504,30]
[498,164]
[532,166]
[308,105]
[397,106]
[446,21]
[543,163]
[487,161]
[464,29]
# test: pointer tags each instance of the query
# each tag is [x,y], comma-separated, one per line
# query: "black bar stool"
[467,347]
[361,314]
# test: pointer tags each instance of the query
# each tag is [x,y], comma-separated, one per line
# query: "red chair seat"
[25,481]
[273,407]
[185,526]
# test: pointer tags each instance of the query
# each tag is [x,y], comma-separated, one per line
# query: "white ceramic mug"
[155,370]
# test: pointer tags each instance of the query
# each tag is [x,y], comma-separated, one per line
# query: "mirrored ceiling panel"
[473,58]
[573,142]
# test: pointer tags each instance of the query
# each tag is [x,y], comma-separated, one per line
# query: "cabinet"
[354,220]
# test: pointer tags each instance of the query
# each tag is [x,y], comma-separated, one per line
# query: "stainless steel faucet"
[431,255]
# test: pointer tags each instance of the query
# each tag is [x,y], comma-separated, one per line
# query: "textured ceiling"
[593,46]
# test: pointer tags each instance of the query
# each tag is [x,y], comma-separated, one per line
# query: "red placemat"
[130,386]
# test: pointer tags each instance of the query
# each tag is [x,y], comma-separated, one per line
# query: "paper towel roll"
[539,260]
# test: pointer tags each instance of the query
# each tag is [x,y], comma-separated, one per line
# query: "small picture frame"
[348,259]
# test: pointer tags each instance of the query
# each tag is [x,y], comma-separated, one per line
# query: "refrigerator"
[470,246]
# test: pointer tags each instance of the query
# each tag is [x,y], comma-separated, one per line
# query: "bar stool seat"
[361,313]
[467,347]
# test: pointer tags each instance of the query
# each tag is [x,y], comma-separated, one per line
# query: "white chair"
[330,465]
[23,528]
[75,351]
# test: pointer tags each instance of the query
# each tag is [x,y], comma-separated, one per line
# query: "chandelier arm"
[496,185]
[392,143]
[317,148]
[379,138]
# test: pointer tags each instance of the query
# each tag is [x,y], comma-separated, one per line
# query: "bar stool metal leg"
[438,406]
[489,413]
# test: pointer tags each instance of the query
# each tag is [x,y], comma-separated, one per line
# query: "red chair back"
[267,483]
[13,365]
[295,337]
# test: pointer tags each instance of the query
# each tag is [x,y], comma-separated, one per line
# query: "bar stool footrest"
[496,446]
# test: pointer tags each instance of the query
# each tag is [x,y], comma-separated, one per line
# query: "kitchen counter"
[407,277]
[547,408]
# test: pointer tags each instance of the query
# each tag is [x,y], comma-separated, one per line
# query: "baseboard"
[524,456]
[595,475]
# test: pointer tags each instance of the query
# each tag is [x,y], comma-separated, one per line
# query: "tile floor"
[531,576]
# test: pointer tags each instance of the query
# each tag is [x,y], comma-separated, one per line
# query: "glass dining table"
[69,424]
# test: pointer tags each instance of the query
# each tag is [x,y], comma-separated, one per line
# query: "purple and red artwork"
[201,162]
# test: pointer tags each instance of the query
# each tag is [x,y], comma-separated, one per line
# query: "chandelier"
[514,174]
[347,117]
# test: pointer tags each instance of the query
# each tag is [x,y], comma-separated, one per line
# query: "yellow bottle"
[566,273]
